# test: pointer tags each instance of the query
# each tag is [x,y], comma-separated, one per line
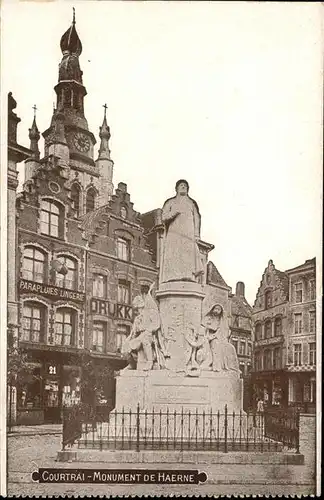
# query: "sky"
[226,95]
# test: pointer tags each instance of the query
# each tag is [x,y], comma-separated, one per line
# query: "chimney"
[240,289]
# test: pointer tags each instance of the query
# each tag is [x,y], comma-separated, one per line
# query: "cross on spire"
[73,19]
[106,107]
[35,109]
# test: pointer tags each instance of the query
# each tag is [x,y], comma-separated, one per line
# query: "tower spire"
[34,136]
[104,134]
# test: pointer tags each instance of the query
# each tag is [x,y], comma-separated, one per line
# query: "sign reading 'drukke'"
[119,476]
[106,308]
[51,291]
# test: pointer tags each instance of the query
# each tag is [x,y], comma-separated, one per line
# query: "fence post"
[137,426]
[298,431]
[63,429]
[225,430]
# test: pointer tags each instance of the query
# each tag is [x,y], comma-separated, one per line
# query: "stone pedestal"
[180,304]
[162,389]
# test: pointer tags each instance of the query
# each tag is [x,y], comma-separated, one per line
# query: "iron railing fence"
[283,425]
[179,430]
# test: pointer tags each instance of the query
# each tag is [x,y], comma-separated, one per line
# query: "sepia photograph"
[161,248]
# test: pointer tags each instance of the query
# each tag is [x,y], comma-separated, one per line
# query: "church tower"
[68,140]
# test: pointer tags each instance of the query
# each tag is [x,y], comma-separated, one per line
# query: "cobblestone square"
[26,453]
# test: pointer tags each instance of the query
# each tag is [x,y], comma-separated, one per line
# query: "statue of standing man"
[181,259]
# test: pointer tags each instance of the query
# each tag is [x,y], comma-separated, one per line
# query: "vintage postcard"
[161,268]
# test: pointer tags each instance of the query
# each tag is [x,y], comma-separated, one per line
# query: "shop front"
[271,387]
[50,383]
[302,390]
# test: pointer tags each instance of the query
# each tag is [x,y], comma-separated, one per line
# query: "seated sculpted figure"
[222,354]
[140,344]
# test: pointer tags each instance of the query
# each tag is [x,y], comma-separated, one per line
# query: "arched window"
[51,219]
[278,326]
[64,326]
[258,331]
[67,277]
[33,265]
[267,329]
[33,322]
[90,200]
[75,195]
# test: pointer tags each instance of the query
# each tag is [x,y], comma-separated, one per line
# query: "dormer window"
[51,219]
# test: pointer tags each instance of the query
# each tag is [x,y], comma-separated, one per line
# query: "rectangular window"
[64,326]
[49,221]
[98,336]
[249,349]
[268,329]
[268,360]
[297,354]
[33,265]
[298,322]
[234,342]
[298,292]
[258,331]
[312,353]
[312,321]
[122,333]
[33,323]
[242,348]
[67,276]
[123,248]
[99,288]
[123,292]
[277,358]
[278,327]
[257,361]
[312,290]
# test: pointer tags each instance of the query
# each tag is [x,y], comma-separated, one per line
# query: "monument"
[179,359]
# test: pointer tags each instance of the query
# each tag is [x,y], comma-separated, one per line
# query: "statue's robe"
[181,257]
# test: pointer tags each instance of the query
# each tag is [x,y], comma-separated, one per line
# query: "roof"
[91,220]
[308,262]
[281,277]
[240,306]
[213,275]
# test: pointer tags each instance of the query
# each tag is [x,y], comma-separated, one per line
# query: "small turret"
[34,136]
[104,163]
[32,163]
[57,145]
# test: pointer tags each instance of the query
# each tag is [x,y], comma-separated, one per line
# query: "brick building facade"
[81,258]
[284,316]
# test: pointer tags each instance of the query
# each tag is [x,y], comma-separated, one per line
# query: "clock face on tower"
[81,142]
